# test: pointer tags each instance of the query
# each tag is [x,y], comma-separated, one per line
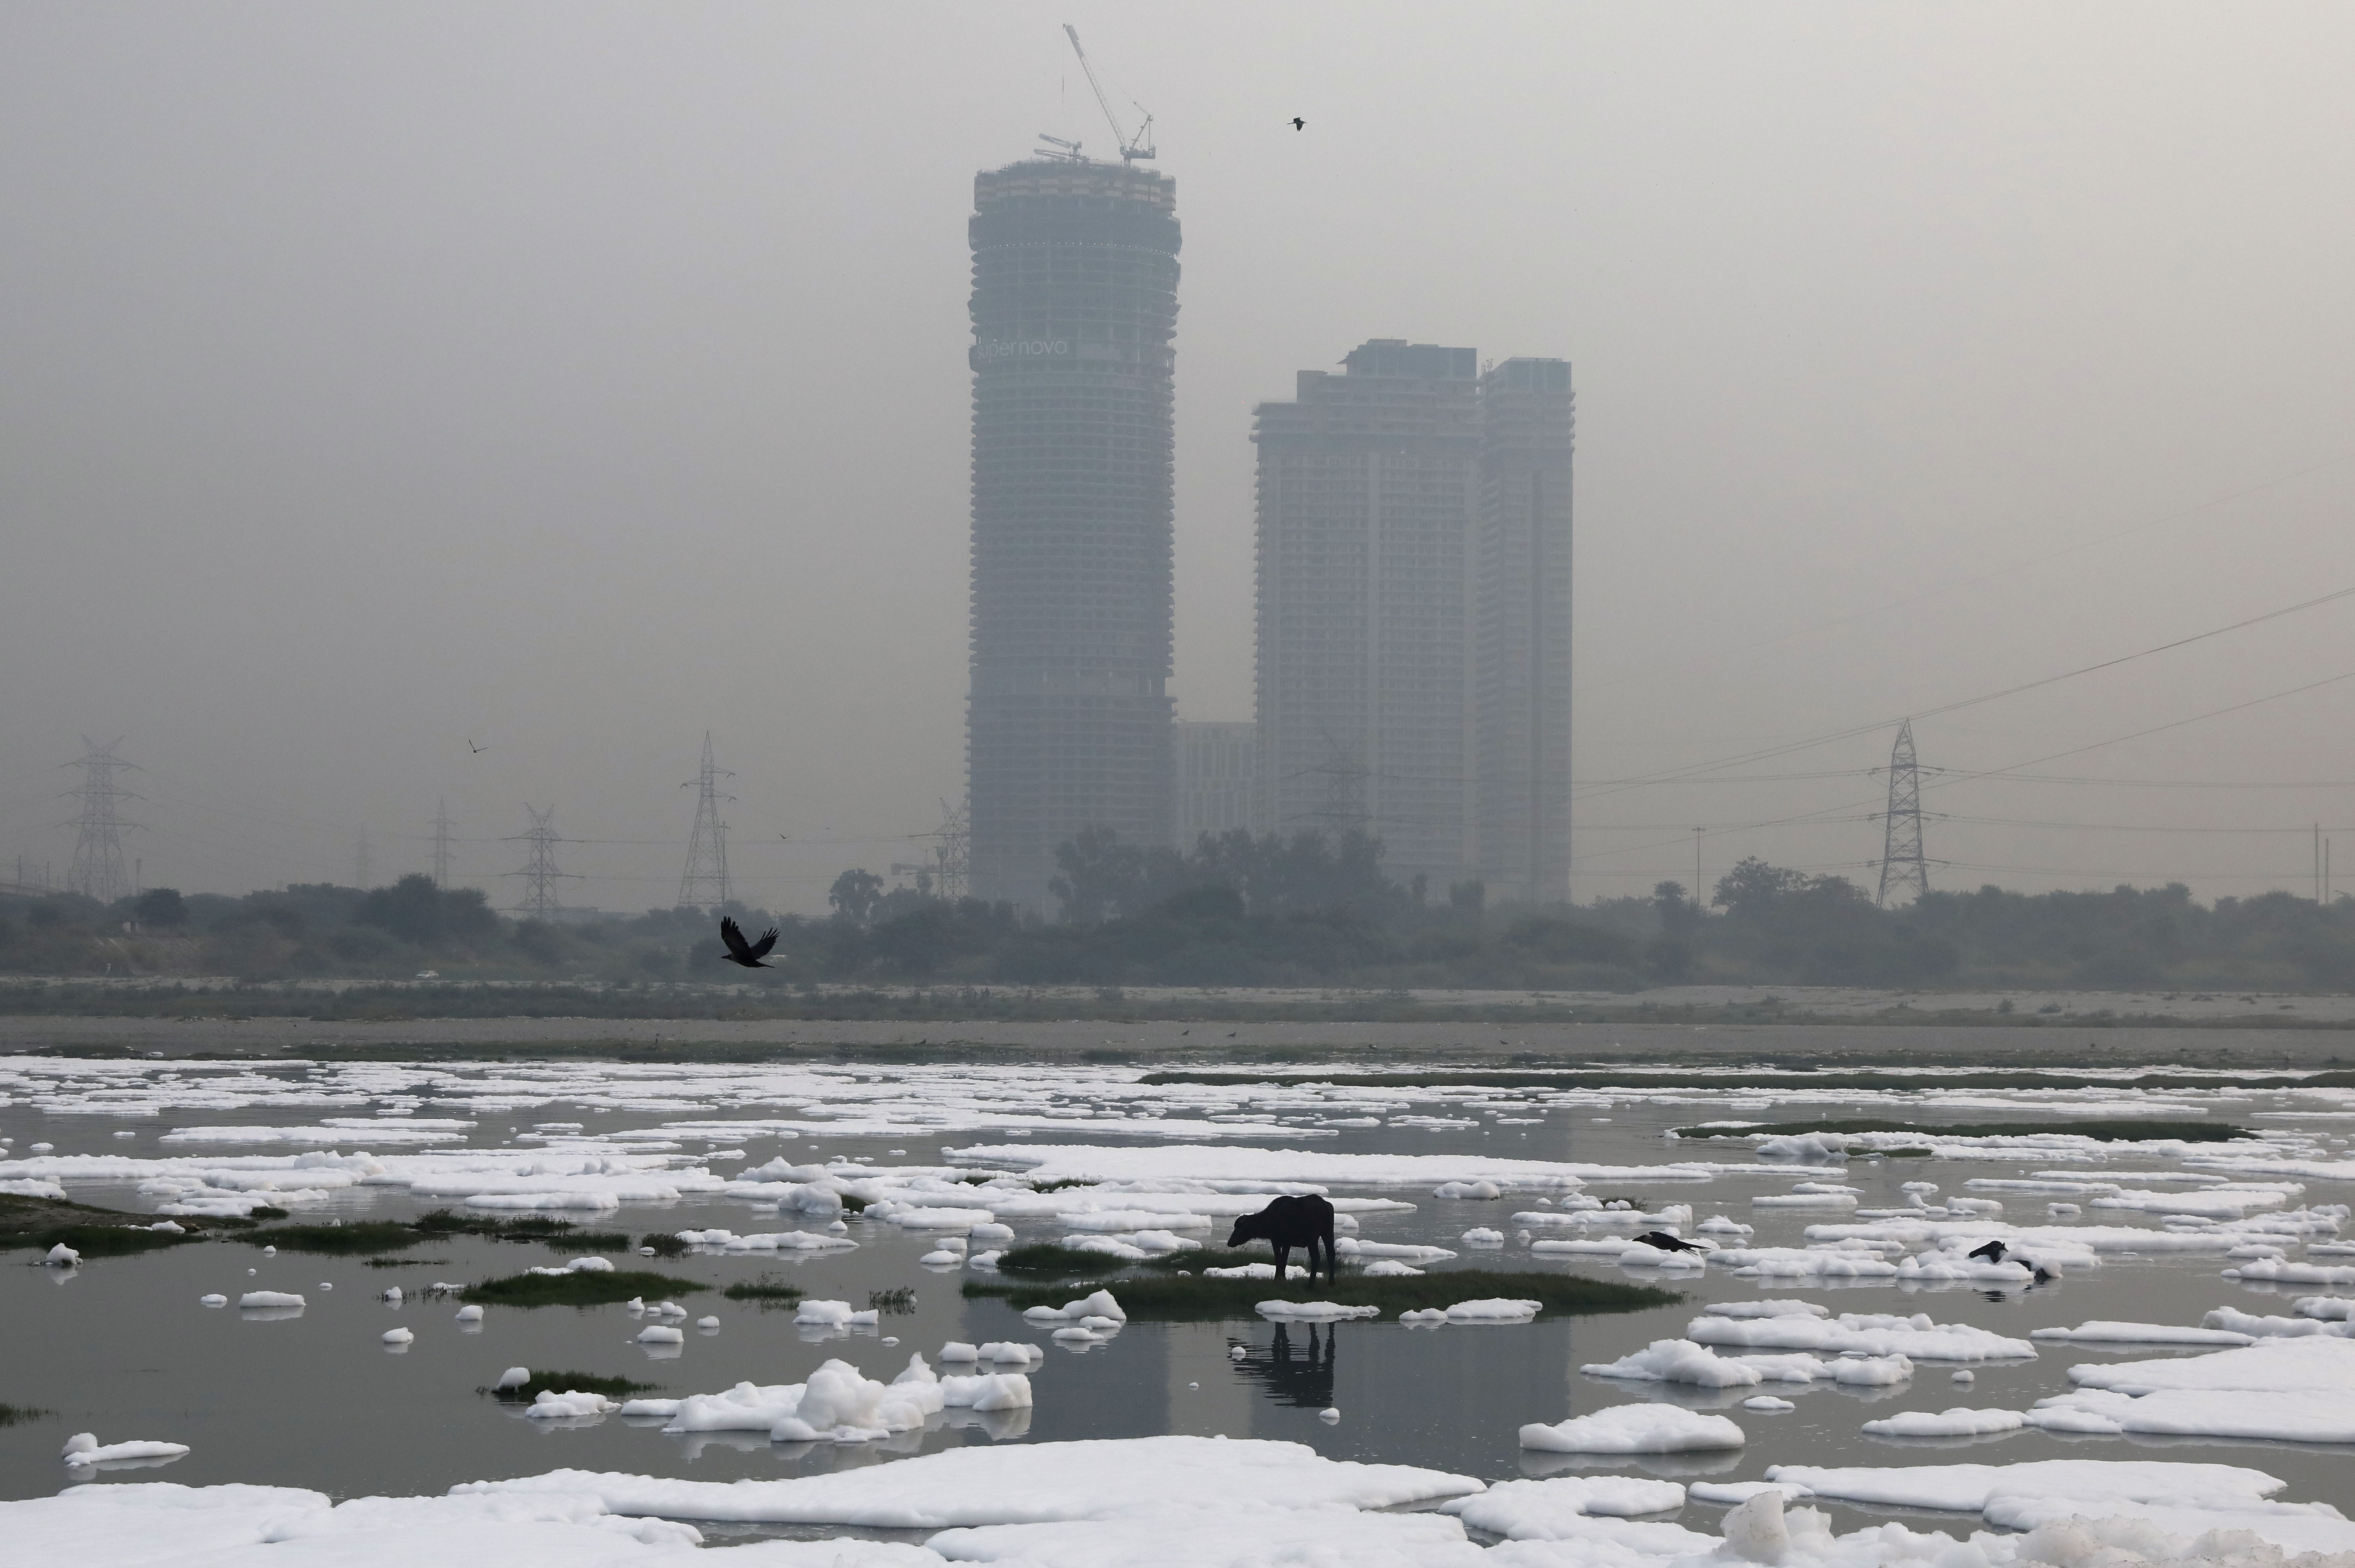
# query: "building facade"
[1521,629]
[1074,309]
[1369,485]
[1414,613]
[1217,773]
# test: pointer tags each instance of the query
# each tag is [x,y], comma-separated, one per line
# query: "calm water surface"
[121,1347]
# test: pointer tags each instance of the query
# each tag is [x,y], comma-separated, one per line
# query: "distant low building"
[1216,766]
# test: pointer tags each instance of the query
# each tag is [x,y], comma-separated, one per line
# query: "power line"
[1769,752]
[2131,528]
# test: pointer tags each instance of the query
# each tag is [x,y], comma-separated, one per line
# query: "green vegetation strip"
[586,1288]
[93,1231]
[566,1383]
[2109,1132]
[766,1287]
[1173,1297]
[391,1235]
[16,1415]
[370,1236]
[1899,1079]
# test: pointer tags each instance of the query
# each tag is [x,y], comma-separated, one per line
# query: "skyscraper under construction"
[1074,307]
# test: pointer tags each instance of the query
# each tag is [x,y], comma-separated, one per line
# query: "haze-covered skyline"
[573,379]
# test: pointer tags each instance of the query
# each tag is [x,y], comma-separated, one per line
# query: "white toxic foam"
[1026,1483]
[1635,1429]
[269,1299]
[1550,1510]
[1313,1311]
[1954,1423]
[84,1449]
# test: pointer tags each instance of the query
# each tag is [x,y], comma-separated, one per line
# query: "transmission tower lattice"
[704,884]
[539,873]
[1344,774]
[97,870]
[952,855]
[944,876]
[360,857]
[1901,863]
[440,825]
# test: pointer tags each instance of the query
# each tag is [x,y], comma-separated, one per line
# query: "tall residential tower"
[1521,629]
[1414,613]
[1368,483]
[1074,307]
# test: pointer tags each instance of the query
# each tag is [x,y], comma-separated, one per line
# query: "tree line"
[1238,910]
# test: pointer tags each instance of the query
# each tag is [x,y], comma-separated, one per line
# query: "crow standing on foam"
[748,954]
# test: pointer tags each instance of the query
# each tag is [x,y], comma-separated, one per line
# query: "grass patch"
[587,1242]
[268,1211]
[2123,1131]
[89,1229]
[895,1303]
[1173,1297]
[591,1288]
[523,1228]
[763,1287]
[101,1241]
[1054,1259]
[567,1382]
[663,1244]
[370,1236]
[400,1262]
[17,1414]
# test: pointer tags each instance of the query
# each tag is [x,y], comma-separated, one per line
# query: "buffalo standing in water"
[1289,1222]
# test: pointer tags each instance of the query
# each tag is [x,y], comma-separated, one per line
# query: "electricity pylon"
[360,858]
[97,870]
[440,825]
[1901,864]
[705,883]
[539,873]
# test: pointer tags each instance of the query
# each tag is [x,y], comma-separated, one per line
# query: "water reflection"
[1301,1378]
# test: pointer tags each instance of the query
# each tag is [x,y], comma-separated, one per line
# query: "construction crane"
[1131,147]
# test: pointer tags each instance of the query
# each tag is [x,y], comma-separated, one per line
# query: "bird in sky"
[477,750]
[748,954]
[1298,123]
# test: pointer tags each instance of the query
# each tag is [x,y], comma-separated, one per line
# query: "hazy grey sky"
[578,376]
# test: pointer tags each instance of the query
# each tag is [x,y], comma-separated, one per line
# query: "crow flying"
[1298,123]
[741,951]
[1667,1243]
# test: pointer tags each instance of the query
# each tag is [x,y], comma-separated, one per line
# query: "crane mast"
[1131,147]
